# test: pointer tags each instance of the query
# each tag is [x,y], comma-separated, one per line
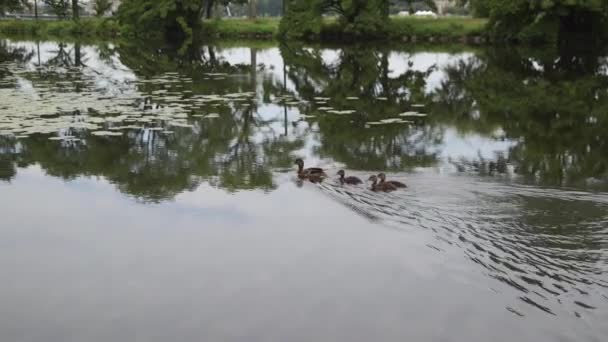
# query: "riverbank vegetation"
[400,29]
[548,21]
[90,27]
[518,21]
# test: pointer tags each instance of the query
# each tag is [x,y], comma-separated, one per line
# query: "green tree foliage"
[101,7]
[547,20]
[169,18]
[12,5]
[303,19]
[480,8]
[61,8]
[357,18]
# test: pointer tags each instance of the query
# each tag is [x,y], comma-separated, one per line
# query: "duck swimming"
[396,184]
[348,180]
[312,173]
[381,187]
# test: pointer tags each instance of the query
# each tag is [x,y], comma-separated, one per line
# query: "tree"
[75,10]
[356,18]
[101,7]
[548,20]
[169,18]
[12,5]
[253,9]
[61,8]
[480,8]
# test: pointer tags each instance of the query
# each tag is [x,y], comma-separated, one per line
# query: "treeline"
[525,21]
[62,8]
[533,21]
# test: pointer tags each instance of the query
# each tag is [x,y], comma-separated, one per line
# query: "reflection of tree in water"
[8,149]
[8,53]
[554,106]
[555,110]
[8,169]
[236,151]
[364,73]
[245,150]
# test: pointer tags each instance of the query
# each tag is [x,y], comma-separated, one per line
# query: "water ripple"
[519,235]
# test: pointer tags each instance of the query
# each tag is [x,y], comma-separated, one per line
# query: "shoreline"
[401,30]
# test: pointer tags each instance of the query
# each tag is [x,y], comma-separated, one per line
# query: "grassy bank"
[266,28]
[430,28]
[86,27]
[400,29]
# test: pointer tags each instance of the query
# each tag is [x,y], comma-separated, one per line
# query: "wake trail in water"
[550,245]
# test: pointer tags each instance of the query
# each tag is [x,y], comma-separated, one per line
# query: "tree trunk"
[209,10]
[253,57]
[75,14]
[77,55]
[253,9]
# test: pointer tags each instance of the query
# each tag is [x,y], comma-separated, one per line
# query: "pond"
[150,193]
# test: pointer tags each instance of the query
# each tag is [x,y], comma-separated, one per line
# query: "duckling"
[312,173]
[383,187]
[348,180]
[396,184]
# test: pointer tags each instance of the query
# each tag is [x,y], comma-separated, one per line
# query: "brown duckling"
[312,173]
[396,184]
[348,180]
[383,187]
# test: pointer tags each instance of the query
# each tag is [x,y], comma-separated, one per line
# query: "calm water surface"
[148,193]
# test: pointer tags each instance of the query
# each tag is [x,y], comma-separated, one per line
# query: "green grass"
[243,28]
[453,27]
[89,27]
[262,28]
[437,27]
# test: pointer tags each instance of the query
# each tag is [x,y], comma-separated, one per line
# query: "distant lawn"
[261,28]
[242,27]
[422,27]
[87,27]
[441,27]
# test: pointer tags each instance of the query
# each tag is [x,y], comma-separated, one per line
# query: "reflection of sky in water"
[82,259]
[456,145]
[398,62]
[471,146]
[111,77]
[422,61]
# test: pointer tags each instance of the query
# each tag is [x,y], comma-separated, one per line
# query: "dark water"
[148,193]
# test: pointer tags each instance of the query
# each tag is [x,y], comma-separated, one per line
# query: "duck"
[348,180]
[381,187]
[396,184]
[313,174]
